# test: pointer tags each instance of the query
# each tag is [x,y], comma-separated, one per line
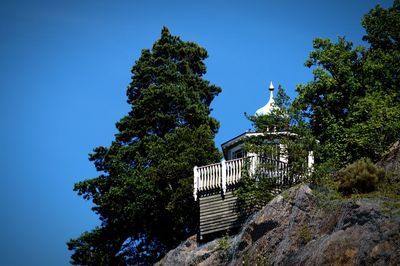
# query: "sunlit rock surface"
[294,229]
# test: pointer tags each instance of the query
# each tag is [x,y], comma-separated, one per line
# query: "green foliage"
[327,195]
[92,248]
[391,188]
[361,176]
[326,100]
[223,243]
[279,118]
[353,103]
[246,258]
[144,191]
[283,127]
[322,174]
[256,193]
[262,259]
[224,247]
[391,208]
[304,235]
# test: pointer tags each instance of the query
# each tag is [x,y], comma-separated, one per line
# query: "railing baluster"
[237,171]
[209,177]
[228,174]
[234,171]
[231,172]
[223,176]
[199,175]
[215,176]
[217,181]
[232,165]
[240,163]
[201,178]
[212,176]
[195,182]
[206,177]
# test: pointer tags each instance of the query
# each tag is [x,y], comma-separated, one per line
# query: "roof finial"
[271,91]
[269,106]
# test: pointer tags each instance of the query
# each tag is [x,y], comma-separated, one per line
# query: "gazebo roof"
[266,109]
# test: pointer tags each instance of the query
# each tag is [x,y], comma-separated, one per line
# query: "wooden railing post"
[283,156]
[195,184]
[223,177]
[253,164]
[310,162]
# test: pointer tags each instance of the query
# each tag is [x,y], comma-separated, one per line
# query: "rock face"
[391,162]
[295,229]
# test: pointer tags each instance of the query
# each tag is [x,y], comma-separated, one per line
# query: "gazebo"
[214,184]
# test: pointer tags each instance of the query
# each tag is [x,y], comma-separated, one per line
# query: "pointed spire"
[268,107]
[271,91]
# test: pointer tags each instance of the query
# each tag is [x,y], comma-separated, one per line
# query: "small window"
[238,154]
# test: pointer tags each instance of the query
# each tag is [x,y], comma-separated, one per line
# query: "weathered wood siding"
[220,213]
[220,210]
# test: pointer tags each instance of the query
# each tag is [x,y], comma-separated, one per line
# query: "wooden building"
[214,184]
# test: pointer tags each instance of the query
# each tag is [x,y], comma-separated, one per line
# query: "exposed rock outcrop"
[390,162]
[294,229]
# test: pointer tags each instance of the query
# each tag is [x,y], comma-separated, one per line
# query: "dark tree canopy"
[143,195]
[353,104]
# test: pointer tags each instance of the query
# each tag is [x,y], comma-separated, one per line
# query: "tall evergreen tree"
[353,104]
[144,192]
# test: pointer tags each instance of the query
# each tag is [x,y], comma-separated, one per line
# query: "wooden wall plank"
[219,213]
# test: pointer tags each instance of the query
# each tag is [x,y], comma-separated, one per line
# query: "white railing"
[223,174]
[228,173]
[234,170]
[209,176]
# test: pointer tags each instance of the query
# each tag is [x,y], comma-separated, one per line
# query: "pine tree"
[143,195]
[353,103]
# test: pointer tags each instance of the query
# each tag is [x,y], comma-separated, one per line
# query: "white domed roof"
[267,109]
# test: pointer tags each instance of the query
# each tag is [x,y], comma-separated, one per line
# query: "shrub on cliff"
[361,176]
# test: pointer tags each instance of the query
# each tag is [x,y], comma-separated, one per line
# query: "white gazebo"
[228,172]
[234,148]
[213,184]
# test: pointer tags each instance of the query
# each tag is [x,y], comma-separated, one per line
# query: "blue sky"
[64,69]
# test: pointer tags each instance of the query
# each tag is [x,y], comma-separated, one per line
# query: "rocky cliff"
[303,226]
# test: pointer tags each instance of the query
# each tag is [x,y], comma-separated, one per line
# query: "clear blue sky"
[64,69]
